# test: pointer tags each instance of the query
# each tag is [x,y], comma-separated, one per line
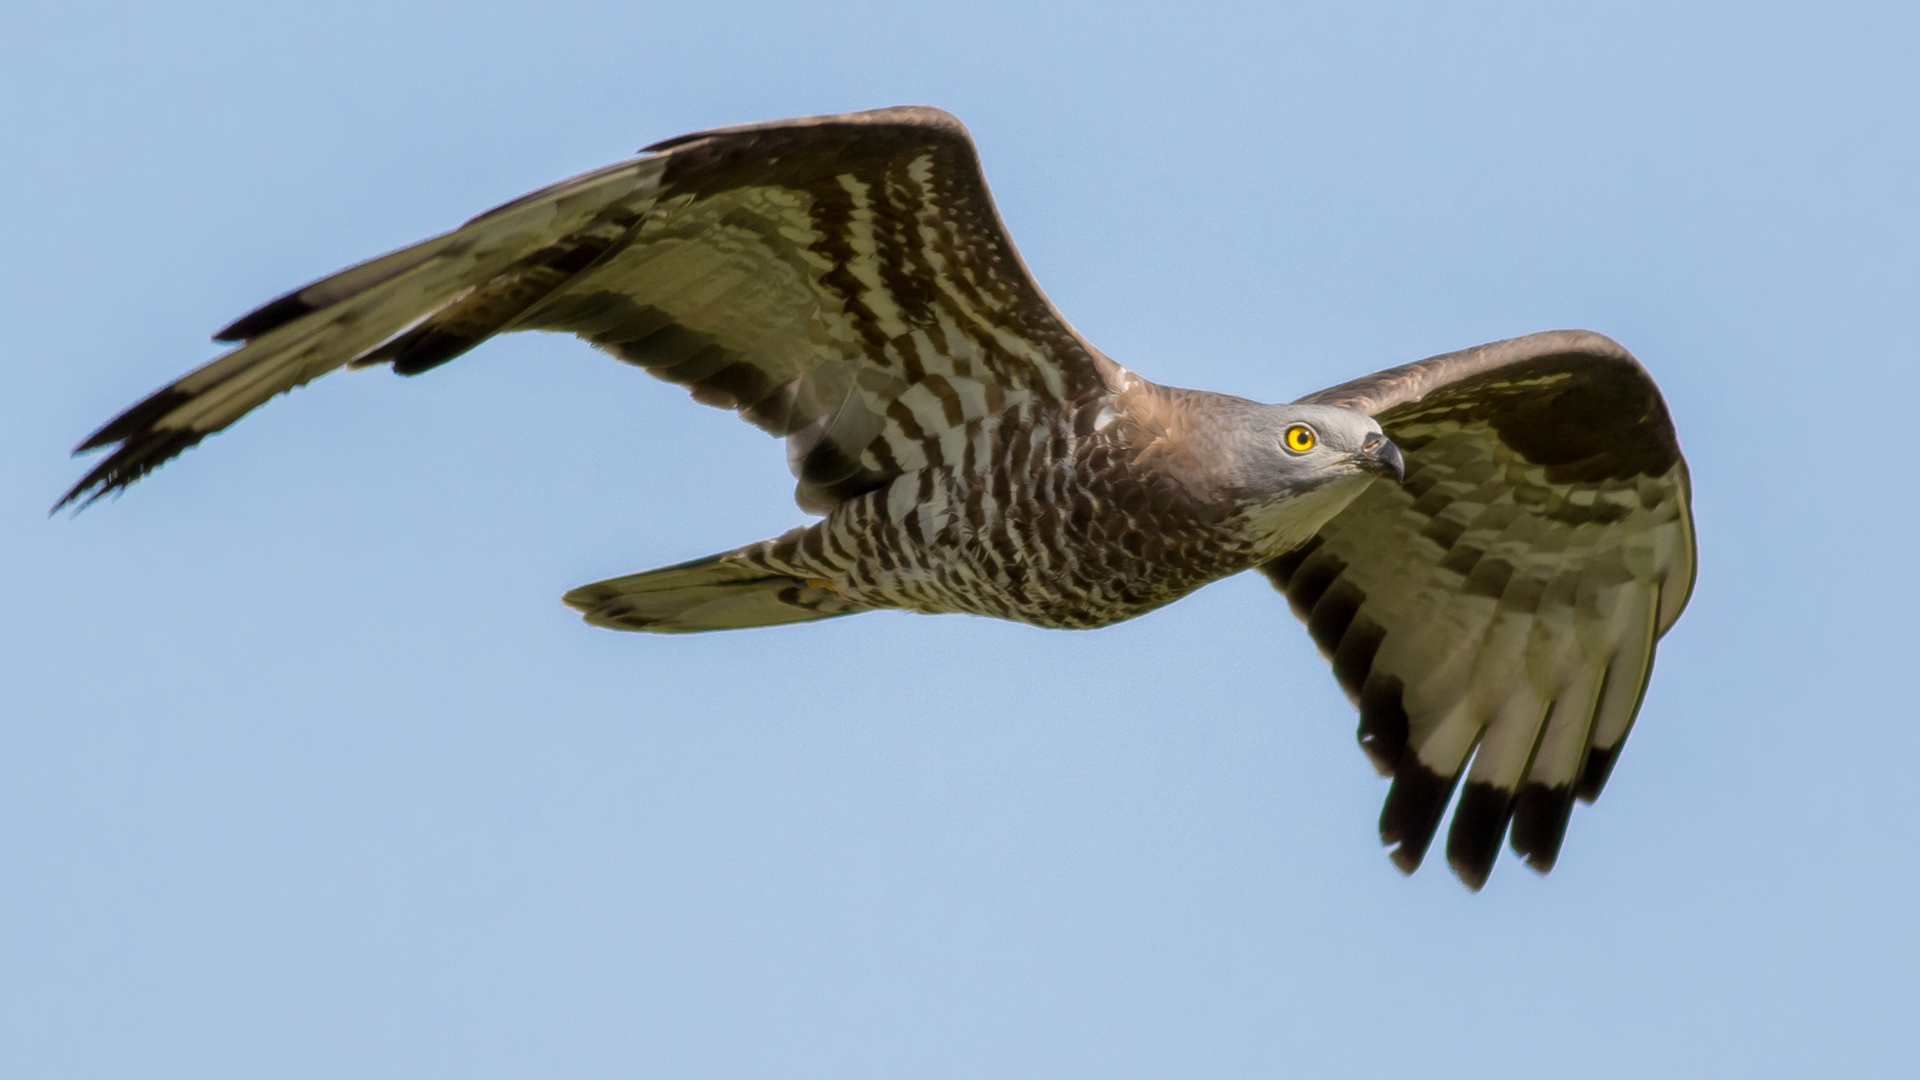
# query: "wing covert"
[1495,616]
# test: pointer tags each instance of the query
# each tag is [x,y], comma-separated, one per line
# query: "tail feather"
[719,592]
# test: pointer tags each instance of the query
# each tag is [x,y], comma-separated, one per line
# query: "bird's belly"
[1074,601]
[1076,562]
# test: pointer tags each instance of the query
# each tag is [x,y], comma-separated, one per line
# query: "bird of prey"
[1486,544]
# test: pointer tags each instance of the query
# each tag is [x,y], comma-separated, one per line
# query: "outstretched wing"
[1503,603]
[843,281]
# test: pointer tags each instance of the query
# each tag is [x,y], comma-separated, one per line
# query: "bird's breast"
[1051,527]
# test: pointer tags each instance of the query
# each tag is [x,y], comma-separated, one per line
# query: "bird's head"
[1284,451]
[1295,466]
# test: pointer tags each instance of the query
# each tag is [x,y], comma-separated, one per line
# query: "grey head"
[1276,453]
[1296,466]
[1288,469]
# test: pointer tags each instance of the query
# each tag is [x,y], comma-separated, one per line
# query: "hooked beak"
[1380,457]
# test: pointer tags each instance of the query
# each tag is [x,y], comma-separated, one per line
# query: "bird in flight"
[1486,544]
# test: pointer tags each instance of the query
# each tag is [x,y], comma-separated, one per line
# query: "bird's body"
[845,283]
[1082,520]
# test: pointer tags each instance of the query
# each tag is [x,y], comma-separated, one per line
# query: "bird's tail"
[728,591]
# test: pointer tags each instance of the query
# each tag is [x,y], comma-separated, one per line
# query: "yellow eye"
[1300,438]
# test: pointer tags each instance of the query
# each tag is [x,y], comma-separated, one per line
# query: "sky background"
[305,772]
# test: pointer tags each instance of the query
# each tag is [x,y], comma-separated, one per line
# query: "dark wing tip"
[144,447]
[1540,815]
[136,457]
[271,315]
[1412,813]
[1479,824]
[1599,766]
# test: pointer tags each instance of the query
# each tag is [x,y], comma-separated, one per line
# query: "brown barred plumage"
[1036,523]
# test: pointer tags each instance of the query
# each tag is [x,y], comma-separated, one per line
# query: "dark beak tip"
[1385,458]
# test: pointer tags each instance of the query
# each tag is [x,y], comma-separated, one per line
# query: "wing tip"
[1540,817]
[1479,825]
[1593,778]
[74,498]
[1412,812]
[136,456]
[144,445]
[93,487]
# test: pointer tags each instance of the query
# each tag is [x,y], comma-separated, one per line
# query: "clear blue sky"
[305,772]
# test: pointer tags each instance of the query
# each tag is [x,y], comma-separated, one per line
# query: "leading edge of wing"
[1382,390]
[317,295]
